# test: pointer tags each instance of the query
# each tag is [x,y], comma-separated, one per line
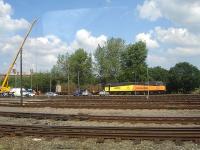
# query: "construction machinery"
[5,88]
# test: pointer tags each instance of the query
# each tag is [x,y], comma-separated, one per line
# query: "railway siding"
[84,117]
[129,133]
[106,103]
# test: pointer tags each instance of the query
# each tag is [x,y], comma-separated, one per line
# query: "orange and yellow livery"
[138,87]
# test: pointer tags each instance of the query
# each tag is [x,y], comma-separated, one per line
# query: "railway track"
[130,133]
[186,97]
[124,97]
[84,117]
[111,104]
[141,97]
[152,98]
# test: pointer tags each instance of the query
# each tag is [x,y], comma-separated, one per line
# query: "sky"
[169,28]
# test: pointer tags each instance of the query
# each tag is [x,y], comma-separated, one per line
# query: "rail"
[105,118]
[130,133]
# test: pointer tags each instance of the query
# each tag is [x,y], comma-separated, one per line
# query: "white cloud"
[9,44]
[184,51]
[43,51]
[39,51]
[5,8]
[49,44]
[157,60]
[149,10]
[182,12]
[179,41]
[175,44]
[7,23]
[85,40]
[147,38]
[177,36]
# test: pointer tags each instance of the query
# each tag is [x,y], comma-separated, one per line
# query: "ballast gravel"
[114,112]
[31,143]
[30,121]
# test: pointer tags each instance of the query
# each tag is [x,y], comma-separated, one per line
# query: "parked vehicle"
[103,93]
[78,93]
[86,93]
[82,93]
[17,92]
[51,94]
[30,92]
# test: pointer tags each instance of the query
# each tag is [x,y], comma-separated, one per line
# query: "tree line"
[116,61]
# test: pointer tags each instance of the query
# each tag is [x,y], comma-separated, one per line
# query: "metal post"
[21,98]
[36,77]
[15,79]
[31,71]
[78,82]
[135,81]
[50,83]
[68,78]
[148,82]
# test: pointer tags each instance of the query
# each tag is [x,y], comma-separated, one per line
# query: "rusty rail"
[143,133]
[111,102]
[95,105]
[105,118]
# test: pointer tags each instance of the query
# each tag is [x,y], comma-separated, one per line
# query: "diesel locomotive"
[152,87]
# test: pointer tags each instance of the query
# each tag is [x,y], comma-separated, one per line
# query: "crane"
[5,87]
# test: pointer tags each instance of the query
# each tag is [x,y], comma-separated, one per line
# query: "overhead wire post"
[68,78]
[78,82]
[148,83]
[20,51]
[21,92]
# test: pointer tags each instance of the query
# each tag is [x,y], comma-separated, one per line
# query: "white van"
[16,91]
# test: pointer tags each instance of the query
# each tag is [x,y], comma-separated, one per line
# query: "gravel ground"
[30,143]
[114,112]
[29,121]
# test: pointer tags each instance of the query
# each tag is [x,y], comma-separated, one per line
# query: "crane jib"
[4,87]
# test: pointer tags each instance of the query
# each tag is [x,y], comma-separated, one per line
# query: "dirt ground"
[114,112]
[30,121]
[31,143]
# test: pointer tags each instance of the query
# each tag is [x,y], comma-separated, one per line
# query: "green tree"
[61,69]
[107,58]
[158,74]
[183,77]
[133,62]
[81,63]
[40,81]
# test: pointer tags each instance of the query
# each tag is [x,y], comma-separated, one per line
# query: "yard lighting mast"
[78,82]
[68,77]
[20,51]
[50,80]
[148,83]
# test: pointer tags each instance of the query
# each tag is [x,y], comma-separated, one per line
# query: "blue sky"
[65,25]
[65,17]
[114,18]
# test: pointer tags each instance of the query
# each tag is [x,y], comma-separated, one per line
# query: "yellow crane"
[5,87]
